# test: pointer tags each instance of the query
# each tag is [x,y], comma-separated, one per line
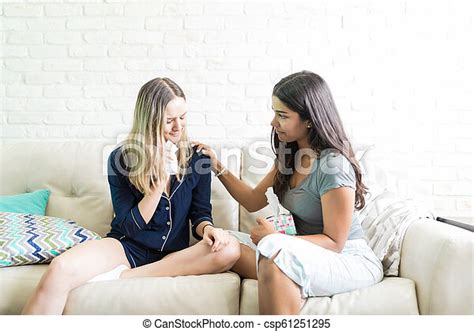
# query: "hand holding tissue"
[282,223]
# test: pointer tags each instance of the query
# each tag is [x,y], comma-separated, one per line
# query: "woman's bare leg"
[71,269]
[246,264]
[277,294]
[195,260]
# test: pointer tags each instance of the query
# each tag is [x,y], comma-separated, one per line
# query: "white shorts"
[319,271]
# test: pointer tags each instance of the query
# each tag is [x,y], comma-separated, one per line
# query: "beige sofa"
[436,270]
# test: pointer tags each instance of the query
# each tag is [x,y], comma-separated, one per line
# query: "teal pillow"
[27,203]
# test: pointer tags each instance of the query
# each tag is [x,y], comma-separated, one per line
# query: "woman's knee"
[228,255]
[59,272]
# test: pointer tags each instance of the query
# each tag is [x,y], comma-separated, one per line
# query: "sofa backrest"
[76,175]
[73,173]
[254,168]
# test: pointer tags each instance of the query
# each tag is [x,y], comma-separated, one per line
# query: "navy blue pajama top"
[168,229]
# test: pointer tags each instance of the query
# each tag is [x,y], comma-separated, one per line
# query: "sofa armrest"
[439,258]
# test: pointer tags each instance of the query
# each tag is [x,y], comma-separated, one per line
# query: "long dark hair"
[307,94]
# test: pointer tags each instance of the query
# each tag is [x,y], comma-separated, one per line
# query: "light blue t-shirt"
[331,170]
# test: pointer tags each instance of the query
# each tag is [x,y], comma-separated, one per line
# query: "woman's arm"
[148,204]
[200,214]
[130,216]
[252,199]
[128,213]
[200,210]
[338,207]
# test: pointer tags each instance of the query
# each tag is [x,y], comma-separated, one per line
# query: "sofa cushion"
[206,294]
[392,296]
[31,239]
[29,203]
[385,219]
[16,286]
[185,295]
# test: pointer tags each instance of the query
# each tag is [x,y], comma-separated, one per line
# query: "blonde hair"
[143,148]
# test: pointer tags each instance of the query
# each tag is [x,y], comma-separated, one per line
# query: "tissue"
[272,200]
[282,223]
[171,162]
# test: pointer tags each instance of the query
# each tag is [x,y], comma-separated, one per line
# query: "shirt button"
[167,208]
[168,223]
[164,237]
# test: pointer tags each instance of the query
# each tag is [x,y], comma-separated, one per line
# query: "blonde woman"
[149,234]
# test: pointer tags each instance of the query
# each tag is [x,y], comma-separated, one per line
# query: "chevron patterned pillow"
[30,239]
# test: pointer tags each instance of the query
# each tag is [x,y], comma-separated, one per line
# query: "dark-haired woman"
[318,179]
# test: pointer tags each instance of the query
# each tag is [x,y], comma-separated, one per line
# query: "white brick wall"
[400,71]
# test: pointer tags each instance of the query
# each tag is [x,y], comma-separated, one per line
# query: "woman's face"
[175,119]
[287,123]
